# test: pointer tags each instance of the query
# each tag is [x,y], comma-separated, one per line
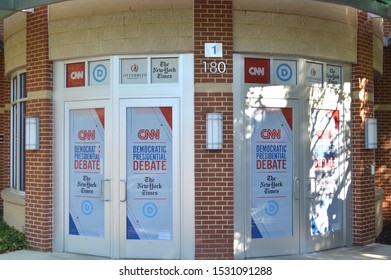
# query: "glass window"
[18,109]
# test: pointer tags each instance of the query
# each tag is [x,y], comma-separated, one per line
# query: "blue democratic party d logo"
[86,207]
[271,208]
[150,210]
[99,73]
[284,72]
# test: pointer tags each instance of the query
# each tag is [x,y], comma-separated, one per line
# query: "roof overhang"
[8,7]
[377,7]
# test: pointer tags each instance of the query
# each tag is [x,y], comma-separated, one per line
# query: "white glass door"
[274,191]
[149,179]
[325,174]
[87,179]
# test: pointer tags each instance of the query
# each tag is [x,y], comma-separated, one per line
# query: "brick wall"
[214,211]
[5,113]
[39,165]
[362,107]
[2,107]
[383,115]
[383,156]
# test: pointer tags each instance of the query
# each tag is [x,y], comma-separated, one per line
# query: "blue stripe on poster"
[255,233]
[72,226]
[130,231]
[314,228]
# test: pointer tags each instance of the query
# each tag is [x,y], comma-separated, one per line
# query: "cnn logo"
[86,134]
[256,71]
[77,75]
[270,134]
[145,134]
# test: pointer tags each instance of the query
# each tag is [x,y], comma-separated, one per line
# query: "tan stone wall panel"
[377,27]
[323,31]
[299,7]
[76,8]
[127,32]
[15,42]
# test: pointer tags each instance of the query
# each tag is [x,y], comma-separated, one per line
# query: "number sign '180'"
[215,67]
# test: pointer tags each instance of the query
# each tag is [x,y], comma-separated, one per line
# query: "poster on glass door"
[324,212]
[149,213]
[272,173]
[86,152]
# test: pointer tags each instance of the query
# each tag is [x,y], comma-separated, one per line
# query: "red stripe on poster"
[100,112]
[167,113]
[336,119]
[288,114]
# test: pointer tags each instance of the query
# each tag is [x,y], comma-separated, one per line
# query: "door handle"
[123,195]
[297,188]
[102,190]
[312,195]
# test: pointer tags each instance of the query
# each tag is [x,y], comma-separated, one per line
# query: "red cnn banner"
[76,75]
[257,71]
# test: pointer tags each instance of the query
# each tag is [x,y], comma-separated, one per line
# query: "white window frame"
[18,111]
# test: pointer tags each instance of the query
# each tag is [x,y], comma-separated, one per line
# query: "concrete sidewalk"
[371,252]
[34,255]
[374,251]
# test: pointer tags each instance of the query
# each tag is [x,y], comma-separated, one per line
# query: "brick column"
[39,165]
[214,180]
[363,107]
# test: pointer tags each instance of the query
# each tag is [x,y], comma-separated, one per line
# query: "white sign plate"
[213,49]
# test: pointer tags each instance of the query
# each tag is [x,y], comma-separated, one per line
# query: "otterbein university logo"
[134,68]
